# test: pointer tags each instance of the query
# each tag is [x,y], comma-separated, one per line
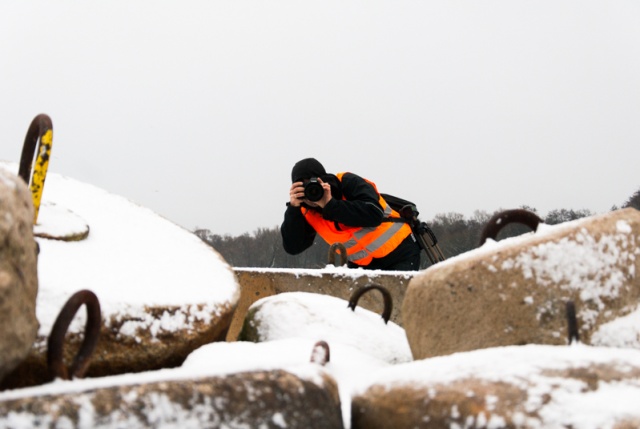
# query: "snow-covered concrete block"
[238,384]
[526,387]
[163,292]
[325,318]
[265,399]
[341,282]
[515,291]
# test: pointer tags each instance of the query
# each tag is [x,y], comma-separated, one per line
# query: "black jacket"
[361,207]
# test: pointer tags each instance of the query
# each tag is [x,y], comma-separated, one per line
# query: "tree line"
[455,233]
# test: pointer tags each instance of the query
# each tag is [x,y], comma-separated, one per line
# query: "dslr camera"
[313,190]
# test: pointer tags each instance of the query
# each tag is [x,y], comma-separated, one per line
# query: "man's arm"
[361,207]
[297,234]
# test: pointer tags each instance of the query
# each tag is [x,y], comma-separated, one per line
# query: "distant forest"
[455,235]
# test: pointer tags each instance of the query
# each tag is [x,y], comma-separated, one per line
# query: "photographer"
[346,208]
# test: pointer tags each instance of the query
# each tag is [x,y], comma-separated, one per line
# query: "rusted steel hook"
[572,322]
[506,217]
[388,302]
[55,344]
[320,353]
[334,250]
[41,129]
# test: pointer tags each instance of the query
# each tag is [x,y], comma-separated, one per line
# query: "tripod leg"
[424,246]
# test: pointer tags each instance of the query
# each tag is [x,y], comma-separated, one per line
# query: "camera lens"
[313,191]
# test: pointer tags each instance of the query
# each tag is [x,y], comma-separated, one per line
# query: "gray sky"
[199,109]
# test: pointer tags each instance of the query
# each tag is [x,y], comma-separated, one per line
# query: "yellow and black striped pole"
[41,129]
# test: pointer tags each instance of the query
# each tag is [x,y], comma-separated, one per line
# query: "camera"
[313,190]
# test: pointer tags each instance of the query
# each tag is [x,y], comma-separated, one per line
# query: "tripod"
[425,236]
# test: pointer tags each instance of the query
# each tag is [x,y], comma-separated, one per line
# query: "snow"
[133,257]
[562,402]
[622,332]
[342,271]
[583,263]
[313,316]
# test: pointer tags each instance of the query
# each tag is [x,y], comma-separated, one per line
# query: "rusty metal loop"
[388,302]
[40,130]
[55,344]
[572,322]
[320,353]
[337,249]
[506,217]
[39,126]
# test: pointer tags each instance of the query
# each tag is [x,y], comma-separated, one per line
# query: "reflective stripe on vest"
[376,244]
[362,243]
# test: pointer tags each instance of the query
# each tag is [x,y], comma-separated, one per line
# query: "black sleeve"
[361,206]
[297,234]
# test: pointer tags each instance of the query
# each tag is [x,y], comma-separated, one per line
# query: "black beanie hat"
[306,169]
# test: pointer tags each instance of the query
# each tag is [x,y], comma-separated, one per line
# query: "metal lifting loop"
[55,344]
[572,322]
[41,129]
[334,250]
[388,302]
[506,217]
[320,353]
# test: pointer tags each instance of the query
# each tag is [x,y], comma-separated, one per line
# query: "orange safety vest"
[362,243]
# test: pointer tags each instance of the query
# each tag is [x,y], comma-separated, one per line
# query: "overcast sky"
[199,109]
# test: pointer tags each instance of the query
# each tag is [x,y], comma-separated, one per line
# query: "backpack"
[424,235]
